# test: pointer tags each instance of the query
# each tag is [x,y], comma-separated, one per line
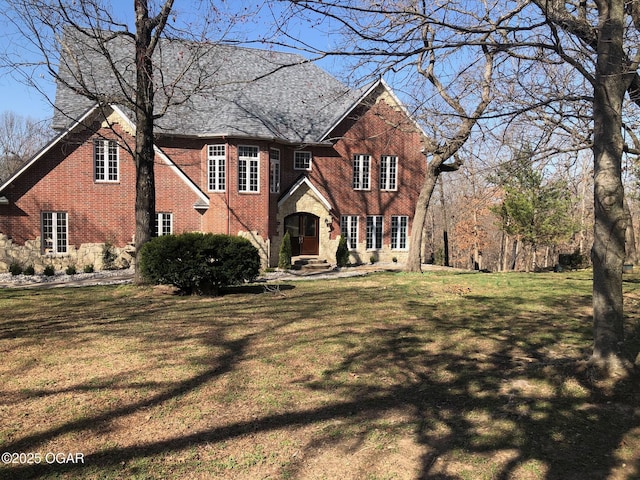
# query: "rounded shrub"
[49,271]
[29,270]
[71,270]
[199,262]
[342,253]
[15,269]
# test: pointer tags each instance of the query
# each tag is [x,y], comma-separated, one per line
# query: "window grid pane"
[349,230]
[217,168]
[164,224]
[399,232]
[274,171]
[302,161]
[248,169]
[361,164]
[388,172]
[113,161]
[105,159]
[54,232]
[374,232]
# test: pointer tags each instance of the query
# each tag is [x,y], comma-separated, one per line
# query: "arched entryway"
[304,232]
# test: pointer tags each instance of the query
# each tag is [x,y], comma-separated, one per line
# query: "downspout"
[228,185]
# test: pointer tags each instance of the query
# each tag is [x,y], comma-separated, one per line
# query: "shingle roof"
[239,91]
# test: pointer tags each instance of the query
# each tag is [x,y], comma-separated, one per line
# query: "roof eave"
[48,147]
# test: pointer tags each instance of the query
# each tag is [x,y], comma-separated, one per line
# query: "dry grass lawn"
[390,376]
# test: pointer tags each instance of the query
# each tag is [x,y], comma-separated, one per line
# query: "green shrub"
[342,253]
[49,271]
[71,270]
[88,268]
[199,263]
[15,268]
[284,257]
[29,270]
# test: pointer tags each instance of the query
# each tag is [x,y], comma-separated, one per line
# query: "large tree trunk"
[144,152]
[610,221]
[414,258]
[630,237]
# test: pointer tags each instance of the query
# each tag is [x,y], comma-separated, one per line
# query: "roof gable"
[203,200]
[379,89]
[304,181]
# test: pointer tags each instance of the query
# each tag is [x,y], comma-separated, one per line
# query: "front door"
[303,230]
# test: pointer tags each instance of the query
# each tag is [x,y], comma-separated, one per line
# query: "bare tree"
[20,138]
[70,36]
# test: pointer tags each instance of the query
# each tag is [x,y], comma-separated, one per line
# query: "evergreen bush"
[342,253]
[15,269]
[49,271]
[29,270]
[71,270]
[199,263]
[284,257]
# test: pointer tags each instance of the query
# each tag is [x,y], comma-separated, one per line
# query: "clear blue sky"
[29,102]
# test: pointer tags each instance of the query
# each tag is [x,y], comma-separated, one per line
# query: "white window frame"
[248,169]
[399,232]
[217,167]
[274,170]
[164,219]
[361,172]
[389,172]
[349,230]
[54,229]
[375,232]
[106,161]
[302,160]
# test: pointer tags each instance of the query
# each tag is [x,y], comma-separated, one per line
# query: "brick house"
[292,150]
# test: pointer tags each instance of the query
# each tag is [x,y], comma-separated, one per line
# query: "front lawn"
[390,376]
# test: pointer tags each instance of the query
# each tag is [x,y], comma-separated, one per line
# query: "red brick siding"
[63,180]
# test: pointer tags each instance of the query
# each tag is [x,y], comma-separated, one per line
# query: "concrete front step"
[311,265]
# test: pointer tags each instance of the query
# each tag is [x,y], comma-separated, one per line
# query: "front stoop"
[309,266]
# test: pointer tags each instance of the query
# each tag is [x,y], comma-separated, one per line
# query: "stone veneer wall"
[30,254]
[305,201]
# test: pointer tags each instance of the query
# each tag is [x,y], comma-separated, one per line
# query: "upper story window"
[388,172]
[248,169]
[164,224]
[361,172]
[274,170]
[217,167]
[106,161]
[302,160]
[54,232]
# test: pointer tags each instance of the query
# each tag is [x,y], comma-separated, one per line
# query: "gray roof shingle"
[222,89]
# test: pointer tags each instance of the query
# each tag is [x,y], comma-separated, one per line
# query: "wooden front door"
[303,230]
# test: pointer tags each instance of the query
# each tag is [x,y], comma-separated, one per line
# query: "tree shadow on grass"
[472,389]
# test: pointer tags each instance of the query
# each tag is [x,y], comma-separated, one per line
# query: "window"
[374,232]
[361,172]
[302,160]
[389,172]
[248,169]
[349,230]
[216,167]
[164,224]
[399,232]
[274,170]
[54,232]
[106,162]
